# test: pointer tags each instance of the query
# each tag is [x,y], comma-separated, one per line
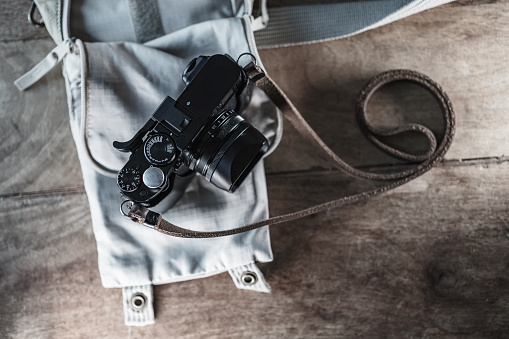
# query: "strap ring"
[253,58]
[31,19]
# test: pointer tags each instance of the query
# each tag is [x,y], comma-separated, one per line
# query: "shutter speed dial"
[128,179]
[159,149]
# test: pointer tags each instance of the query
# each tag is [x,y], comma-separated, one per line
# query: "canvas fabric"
[124,58]
[305,24]
[115,79]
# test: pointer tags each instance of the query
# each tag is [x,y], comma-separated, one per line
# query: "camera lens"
[227,150]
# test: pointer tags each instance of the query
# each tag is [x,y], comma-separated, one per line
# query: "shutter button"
[249,278]
[138,301]
[153,177]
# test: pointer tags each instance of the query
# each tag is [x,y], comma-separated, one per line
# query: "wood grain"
[467,56]
[37,151]
[325,95]
[415,262]
[429,259]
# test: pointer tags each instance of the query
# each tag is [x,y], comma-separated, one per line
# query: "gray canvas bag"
[120,60]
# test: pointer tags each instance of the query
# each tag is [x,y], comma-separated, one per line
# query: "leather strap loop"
[434,154]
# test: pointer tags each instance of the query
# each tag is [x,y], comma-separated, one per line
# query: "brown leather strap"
[434,154]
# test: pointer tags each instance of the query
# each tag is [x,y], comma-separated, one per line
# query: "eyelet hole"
[138,301]
[249,278]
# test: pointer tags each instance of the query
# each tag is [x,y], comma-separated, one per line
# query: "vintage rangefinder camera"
[201,132]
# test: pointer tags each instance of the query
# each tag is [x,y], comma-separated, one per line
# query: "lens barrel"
[227,150]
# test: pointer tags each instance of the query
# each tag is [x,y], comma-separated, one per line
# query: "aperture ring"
[210,142]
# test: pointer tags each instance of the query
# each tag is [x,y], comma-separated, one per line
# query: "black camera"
[199,132]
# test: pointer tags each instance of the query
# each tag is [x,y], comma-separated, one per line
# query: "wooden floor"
[429,259]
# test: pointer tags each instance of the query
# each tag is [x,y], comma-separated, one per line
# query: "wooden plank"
[427,260]
[313,89]
[427,267]
[467,56]
[37,151]
[15,25]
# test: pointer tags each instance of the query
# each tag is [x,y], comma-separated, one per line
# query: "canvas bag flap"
[121,79]
[141,21]
[126,82]
[113,88]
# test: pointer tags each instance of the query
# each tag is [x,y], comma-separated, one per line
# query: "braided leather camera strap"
[434,154]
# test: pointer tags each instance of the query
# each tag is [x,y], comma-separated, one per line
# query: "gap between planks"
[444,163]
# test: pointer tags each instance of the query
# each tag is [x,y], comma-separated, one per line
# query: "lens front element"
[227,150]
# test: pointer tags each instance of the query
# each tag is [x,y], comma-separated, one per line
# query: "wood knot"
[441,279]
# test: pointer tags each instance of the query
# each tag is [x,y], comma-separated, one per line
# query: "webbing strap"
[146,19]
[304,24]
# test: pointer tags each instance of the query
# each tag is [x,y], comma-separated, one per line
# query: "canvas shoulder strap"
[304,24]
[435,153]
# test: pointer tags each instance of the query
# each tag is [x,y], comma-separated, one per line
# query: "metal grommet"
[249,278]
[138,301]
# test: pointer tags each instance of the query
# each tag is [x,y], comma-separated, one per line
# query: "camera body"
[199,132]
